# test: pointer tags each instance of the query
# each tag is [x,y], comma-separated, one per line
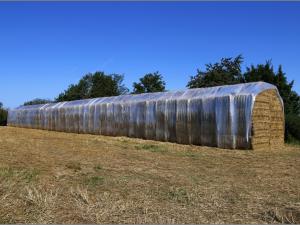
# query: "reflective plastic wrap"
[217,116]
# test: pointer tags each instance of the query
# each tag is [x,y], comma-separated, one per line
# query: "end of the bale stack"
[268,121]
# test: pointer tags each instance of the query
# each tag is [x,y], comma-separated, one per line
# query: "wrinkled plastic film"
[217,116]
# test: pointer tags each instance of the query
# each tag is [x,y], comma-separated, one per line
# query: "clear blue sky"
[45,46]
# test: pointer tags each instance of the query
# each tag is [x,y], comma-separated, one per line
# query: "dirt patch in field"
[54,177]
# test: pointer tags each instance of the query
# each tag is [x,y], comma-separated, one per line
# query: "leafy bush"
[3,117]
[292,124]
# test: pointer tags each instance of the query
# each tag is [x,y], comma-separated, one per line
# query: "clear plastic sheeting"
[217,116]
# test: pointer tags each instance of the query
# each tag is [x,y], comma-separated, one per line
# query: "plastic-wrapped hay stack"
[242,116]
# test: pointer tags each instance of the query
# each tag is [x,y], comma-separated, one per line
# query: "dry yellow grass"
[52,177]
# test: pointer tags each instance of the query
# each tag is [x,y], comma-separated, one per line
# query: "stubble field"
[53,177]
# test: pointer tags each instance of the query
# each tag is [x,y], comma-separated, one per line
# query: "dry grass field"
[52,177]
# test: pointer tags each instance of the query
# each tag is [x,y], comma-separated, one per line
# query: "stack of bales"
[268,121]
[242,116]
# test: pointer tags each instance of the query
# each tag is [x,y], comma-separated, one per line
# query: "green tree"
[265,72]
[151,82]
[106,85]
[261,72]
[227,71]
[37,101]
[290,97]
[3,115]
[93,86]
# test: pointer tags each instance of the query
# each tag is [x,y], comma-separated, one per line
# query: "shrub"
[292,126]
[3,117]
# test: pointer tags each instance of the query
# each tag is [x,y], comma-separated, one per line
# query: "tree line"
[225,72]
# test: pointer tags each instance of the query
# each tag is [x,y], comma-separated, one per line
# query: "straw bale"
[267,121]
